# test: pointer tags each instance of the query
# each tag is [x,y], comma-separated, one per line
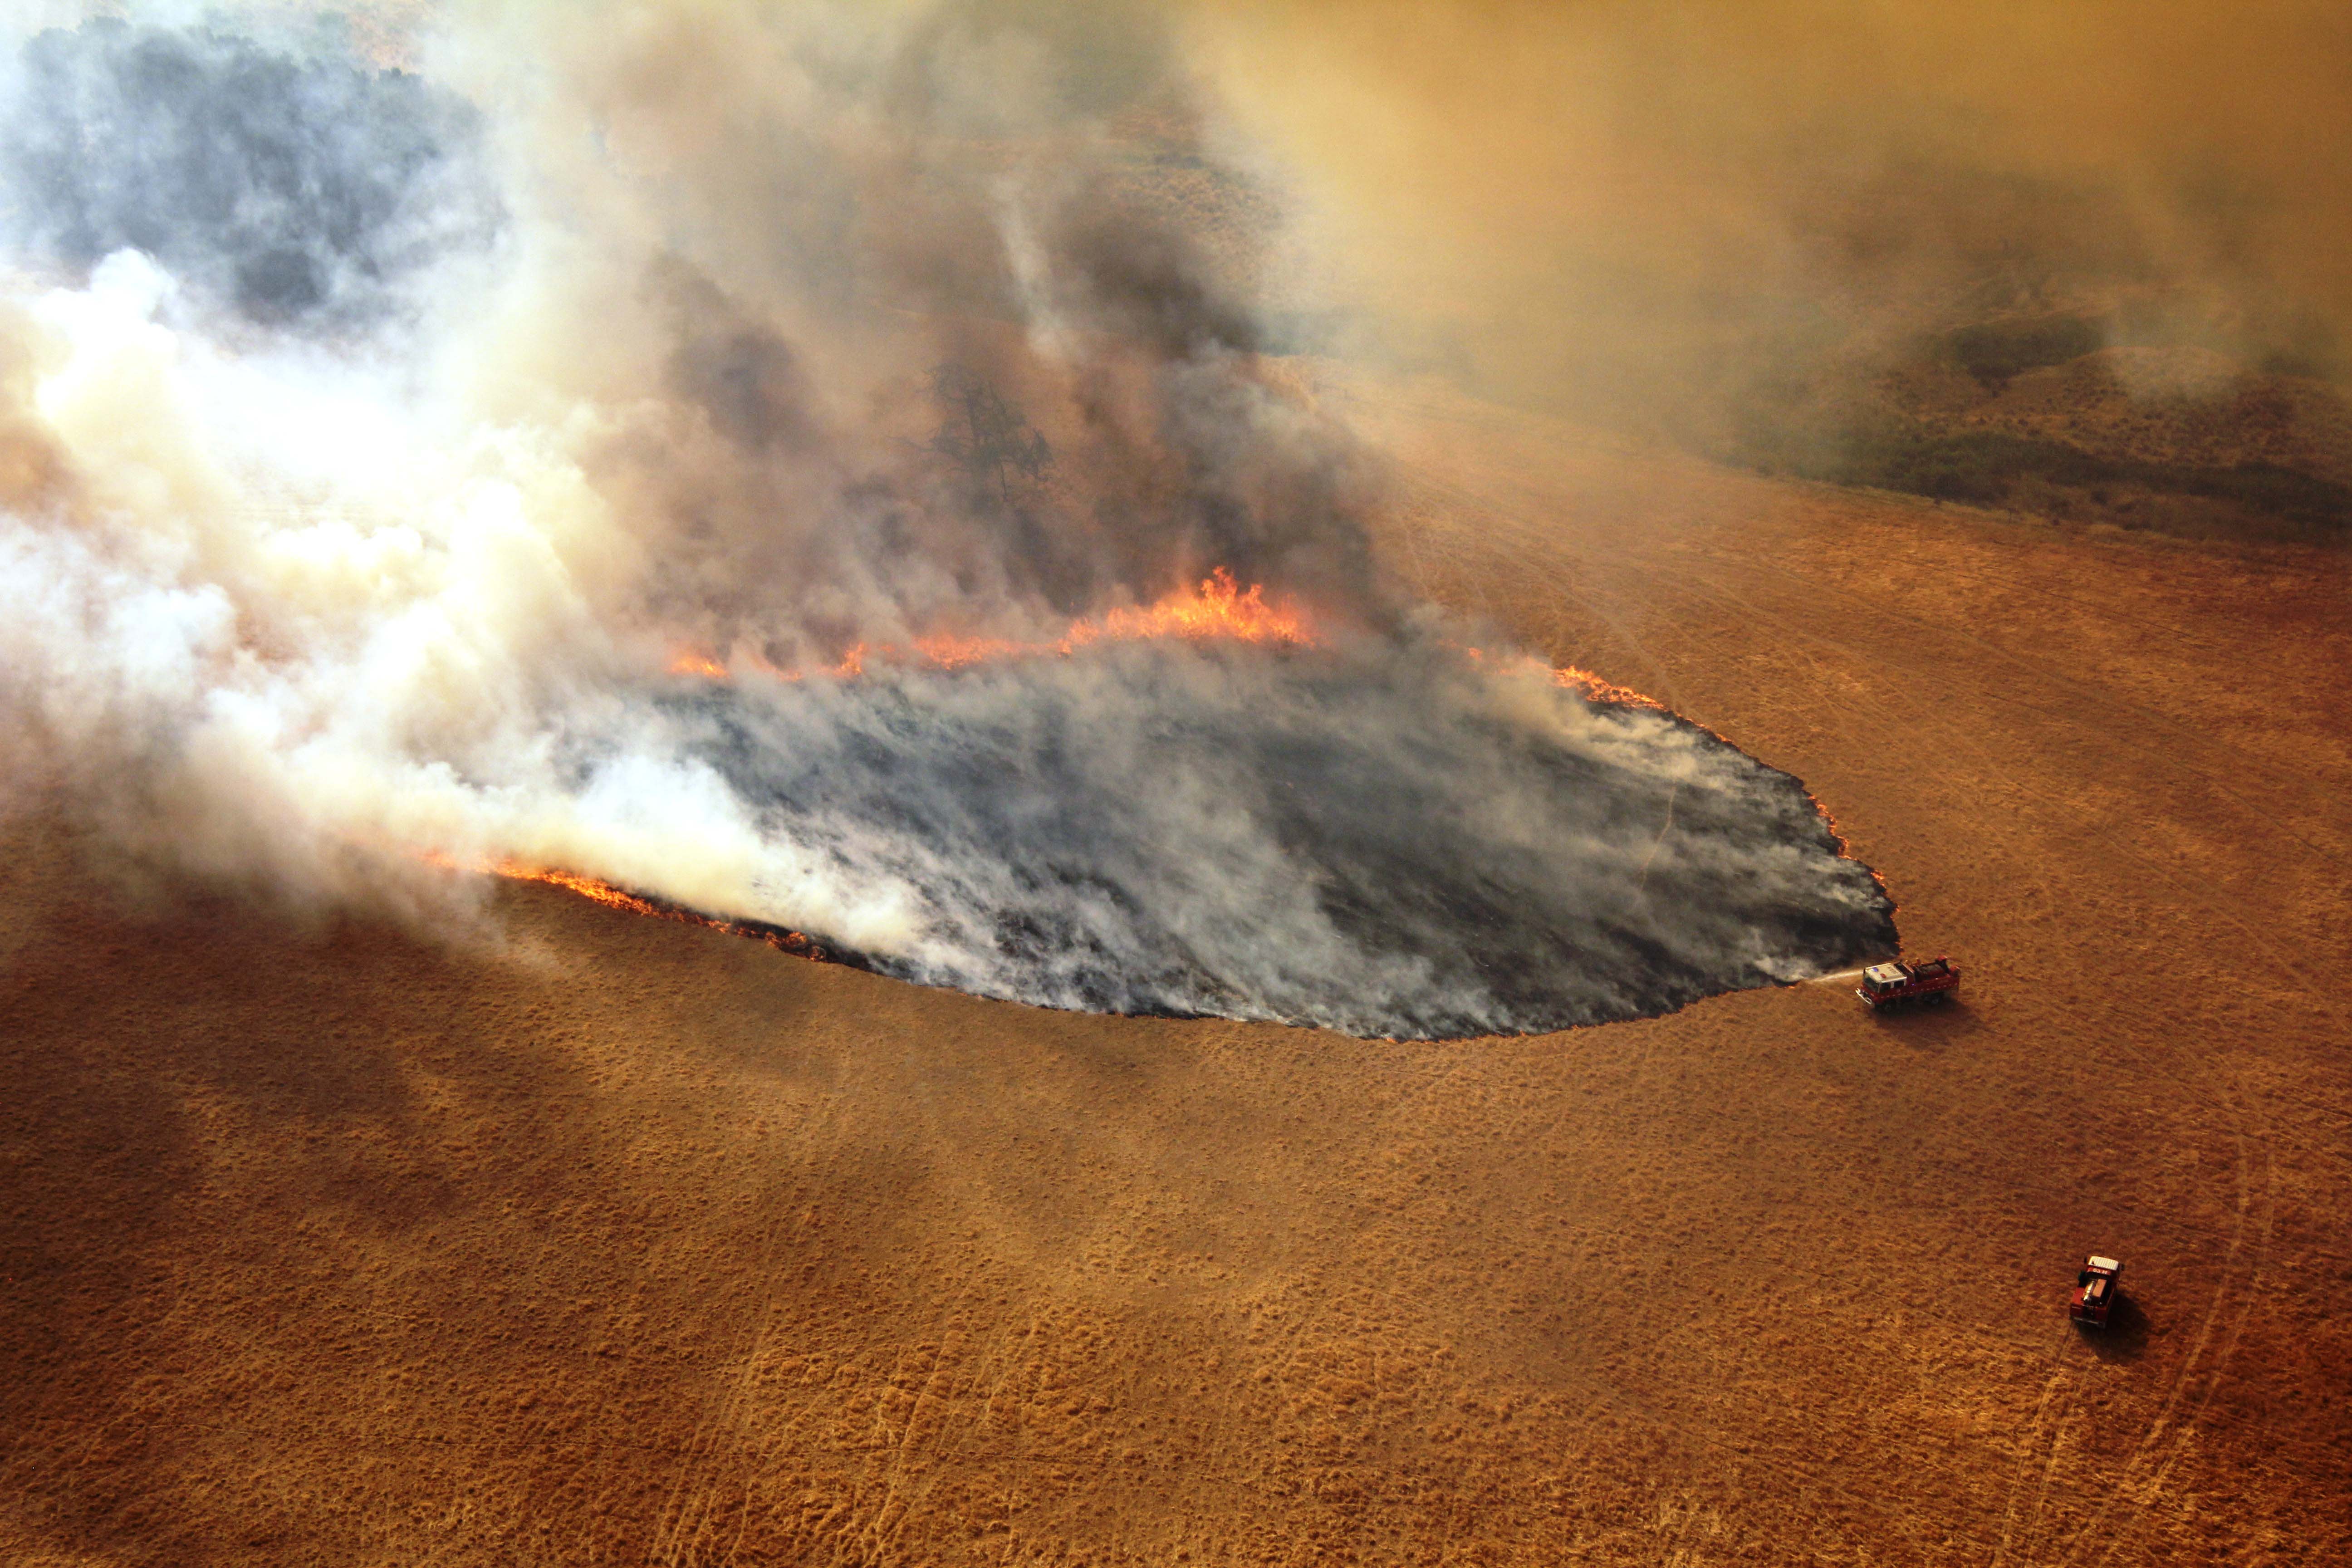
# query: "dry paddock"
[636,1243]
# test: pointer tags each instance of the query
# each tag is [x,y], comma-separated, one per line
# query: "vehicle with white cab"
[2095,1288]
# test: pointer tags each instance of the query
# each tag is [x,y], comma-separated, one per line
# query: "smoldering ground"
[1386,839]
[372,442]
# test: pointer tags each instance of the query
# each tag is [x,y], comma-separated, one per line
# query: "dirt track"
[645,1244]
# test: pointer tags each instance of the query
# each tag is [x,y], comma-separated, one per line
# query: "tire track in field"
[2246,1117]
[2244,1112]
[2060,1374]
[2228,1291]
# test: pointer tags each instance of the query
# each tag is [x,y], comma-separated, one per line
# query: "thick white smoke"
[294,620]
[371,444]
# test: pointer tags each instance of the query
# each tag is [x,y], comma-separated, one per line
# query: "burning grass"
[1218,608]
[601,892]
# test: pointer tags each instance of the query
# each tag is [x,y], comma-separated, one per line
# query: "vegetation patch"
[1992,351]
[1989,467]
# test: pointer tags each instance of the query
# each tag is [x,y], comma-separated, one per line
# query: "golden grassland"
[635,1242]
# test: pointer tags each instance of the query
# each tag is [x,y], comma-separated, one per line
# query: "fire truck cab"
[1895,984]
[2094,1291]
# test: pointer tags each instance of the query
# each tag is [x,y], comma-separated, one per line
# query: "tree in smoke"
[986,434]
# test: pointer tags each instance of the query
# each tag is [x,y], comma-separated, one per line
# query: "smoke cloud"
[283,189]
[1789,234]
[391,453]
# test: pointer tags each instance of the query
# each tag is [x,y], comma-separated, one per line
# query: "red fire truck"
[1897,985]
[2094,1291]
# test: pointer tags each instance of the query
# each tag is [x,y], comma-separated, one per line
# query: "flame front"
[611,897]
[693,661]
[1596,689]
[1218,608]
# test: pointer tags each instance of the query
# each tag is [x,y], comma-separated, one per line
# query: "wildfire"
[611,897]
[954,653]
[1592,688]
[1596,689]
[688,661]
[1218,608]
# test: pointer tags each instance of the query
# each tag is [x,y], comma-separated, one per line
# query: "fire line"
[1218,608]
[782,939]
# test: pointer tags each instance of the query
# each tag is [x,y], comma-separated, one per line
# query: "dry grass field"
[634,1243]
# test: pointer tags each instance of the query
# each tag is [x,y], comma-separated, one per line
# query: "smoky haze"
[287,190]
[1827,236]
[396,441]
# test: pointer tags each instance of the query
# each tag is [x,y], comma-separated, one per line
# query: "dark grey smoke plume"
[1787,235]
[369,449]
[293,190]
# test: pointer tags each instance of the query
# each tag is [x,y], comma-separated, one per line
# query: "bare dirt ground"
[642,1243]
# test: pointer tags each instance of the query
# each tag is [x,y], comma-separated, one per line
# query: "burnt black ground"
[1388,840]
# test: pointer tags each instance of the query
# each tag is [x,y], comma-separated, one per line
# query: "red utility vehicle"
[2094,1291]
[1894,984]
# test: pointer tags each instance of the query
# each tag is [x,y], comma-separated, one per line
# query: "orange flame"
[1592,686]
[954,653]
[1596,689]
[611,897]
[1218,607]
